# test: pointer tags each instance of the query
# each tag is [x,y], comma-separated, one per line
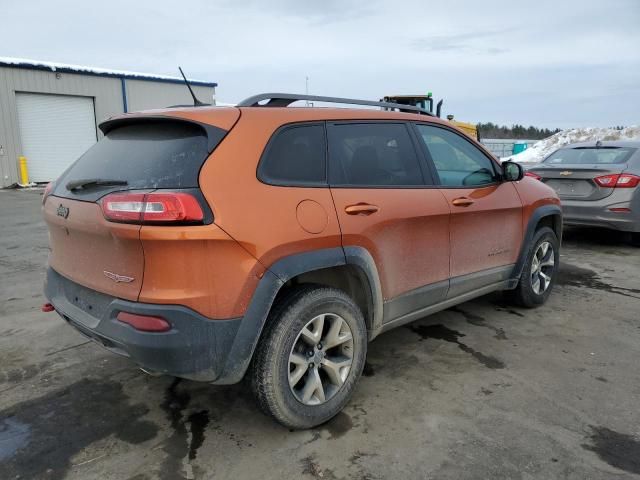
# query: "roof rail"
[286,99]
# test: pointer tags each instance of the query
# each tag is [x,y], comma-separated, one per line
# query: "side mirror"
[512,171]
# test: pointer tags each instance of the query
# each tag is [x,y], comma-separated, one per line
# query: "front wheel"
[310,357]
[539,272]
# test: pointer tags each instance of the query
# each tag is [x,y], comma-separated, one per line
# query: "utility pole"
[306,89]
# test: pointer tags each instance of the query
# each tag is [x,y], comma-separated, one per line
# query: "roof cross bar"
[286,99]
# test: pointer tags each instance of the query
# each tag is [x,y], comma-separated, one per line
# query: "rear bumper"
[598,214]
[196,347]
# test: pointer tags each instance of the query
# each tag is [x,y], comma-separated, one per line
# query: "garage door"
[55,130]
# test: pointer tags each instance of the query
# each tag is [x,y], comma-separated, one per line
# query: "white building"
[49,112]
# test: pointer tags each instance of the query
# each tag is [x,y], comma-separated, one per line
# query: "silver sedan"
[597,182]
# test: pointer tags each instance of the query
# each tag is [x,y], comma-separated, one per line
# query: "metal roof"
[100,72]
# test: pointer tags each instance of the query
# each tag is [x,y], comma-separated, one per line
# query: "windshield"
[590,155]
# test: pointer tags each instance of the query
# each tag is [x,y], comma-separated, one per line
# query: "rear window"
[590,156]
[295,156]
[163,154]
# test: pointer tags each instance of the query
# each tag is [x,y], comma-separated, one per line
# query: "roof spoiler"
[214,134]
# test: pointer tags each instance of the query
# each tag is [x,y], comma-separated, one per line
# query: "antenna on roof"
[196,102]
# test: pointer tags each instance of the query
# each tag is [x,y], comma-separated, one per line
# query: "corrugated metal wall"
[143,95]
[106,92]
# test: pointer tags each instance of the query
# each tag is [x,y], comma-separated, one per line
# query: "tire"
[305,308]
[526,294]
[635,239]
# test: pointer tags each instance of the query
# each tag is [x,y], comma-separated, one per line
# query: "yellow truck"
[426,102]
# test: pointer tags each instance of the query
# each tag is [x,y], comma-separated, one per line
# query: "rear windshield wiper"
[94,182]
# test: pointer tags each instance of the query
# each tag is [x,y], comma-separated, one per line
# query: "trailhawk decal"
[118,278]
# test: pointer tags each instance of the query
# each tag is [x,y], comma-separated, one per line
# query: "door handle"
[361,209]
[462,202]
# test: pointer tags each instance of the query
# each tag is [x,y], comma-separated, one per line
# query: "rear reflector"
[532,175]
[176,207]
[618,180]
[47,307]
[620,210]
[144,323]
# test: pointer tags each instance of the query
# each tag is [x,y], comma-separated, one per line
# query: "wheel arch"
[351,269]
[544,216]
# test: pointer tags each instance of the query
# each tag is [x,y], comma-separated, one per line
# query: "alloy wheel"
[321,359]
[542,267]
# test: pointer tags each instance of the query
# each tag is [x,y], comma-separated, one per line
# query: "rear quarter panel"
[263,218]
[200,267]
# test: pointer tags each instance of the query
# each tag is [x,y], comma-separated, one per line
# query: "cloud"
[311,12]
[545,62]
[463,42]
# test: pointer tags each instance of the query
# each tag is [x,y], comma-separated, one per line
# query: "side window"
[372,154]
[458,162]
[295,156]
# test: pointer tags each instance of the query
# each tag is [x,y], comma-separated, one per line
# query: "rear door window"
[373,155]
[296,155]
[163,154]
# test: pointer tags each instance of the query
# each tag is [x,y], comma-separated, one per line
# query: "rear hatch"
[582,173]
[138,156]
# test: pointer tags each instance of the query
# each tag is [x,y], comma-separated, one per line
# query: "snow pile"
[539,150]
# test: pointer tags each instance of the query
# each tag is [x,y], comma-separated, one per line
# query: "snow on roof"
[105,72]
[539,150]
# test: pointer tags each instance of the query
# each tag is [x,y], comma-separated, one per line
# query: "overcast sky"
[553,63]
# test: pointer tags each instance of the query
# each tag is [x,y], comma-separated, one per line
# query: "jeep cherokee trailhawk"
[275,242]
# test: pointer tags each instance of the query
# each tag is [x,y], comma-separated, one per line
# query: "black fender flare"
[275,277]
[537,215]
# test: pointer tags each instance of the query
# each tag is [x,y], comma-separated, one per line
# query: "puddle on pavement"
[189,431]
[440,332]
[619,450]
[573,276]
[47,432]
[479,321]
[338,425]
[14,435]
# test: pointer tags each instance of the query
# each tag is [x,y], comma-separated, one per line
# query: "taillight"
[47,191]
[144,323]
[532,175]
[618,180]
[606,180]
[627,180]
[176,207]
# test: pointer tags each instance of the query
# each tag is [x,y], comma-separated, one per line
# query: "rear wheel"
[310,357]
[539,272]
[635,239]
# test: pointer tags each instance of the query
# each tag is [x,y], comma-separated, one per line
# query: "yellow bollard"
[24,173]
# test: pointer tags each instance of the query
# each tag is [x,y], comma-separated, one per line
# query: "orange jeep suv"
[275,242]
